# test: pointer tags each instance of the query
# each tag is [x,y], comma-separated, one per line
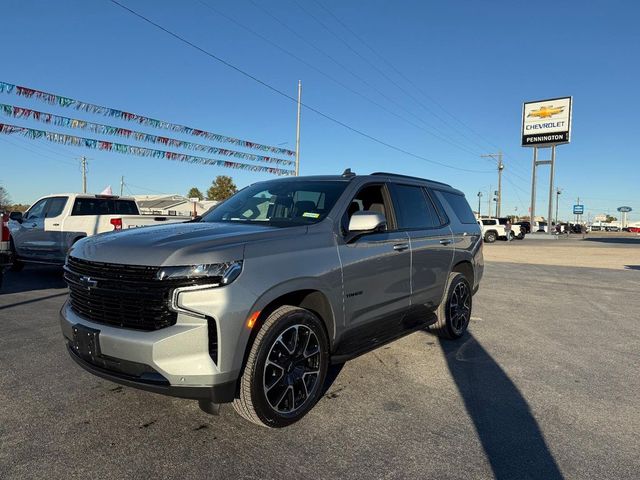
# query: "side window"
[369,198]
[488,222]
[37,211]
[413,208]
[56,205]
[459,206]
[84,206]
[444,219]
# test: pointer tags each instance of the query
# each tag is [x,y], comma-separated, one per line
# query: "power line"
[289,97]
[380,71]
[36,152]
[409,81]
[342,84]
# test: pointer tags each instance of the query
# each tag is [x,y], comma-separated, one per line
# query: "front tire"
[16,265]
[285,370]
[454,312]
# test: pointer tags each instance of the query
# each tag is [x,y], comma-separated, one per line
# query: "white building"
[171,205]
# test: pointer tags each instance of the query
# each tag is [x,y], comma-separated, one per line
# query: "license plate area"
[86,342]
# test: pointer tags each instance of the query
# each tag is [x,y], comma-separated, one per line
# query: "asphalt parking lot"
[545,385]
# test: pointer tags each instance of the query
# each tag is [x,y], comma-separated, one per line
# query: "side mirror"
[17,216]
[365,222]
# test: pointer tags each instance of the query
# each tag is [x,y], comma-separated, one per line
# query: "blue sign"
[578,209]
[625,209]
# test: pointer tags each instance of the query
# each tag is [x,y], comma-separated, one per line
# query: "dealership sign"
[546,122]
[578,209]
[624,209]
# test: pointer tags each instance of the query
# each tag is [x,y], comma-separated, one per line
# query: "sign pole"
[553,162]
[533,190]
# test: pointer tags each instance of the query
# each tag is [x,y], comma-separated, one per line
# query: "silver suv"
[254,301]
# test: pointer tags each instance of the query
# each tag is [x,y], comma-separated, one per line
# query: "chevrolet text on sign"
[546,122]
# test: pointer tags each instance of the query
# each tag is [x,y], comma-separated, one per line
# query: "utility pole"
[298,129]
[121,184]
[479,198]
[84,174]
[498,157]
[489,197]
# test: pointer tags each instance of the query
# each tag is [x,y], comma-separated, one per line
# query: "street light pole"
[479,198]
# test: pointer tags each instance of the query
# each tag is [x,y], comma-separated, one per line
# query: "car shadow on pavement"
[34,277]
[508,431]
[632,267]
[620,240]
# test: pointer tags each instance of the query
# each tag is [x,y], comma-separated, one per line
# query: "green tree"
[611,219]
[195,192]
[221,188]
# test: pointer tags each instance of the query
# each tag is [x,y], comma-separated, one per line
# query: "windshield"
[280,203]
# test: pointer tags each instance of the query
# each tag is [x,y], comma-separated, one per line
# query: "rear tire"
[285,370]
[454,312]
[490,237]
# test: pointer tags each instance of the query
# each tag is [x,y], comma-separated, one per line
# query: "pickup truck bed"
[47,230]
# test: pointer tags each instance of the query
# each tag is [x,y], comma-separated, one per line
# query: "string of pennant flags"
[66,102]
[98,128]
[135,150]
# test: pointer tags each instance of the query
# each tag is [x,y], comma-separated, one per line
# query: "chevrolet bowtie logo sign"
[546,111]
[546,122]
[88,282]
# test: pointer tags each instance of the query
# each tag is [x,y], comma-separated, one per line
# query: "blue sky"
[470,66]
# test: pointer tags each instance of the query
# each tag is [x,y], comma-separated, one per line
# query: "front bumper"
[174,360]
[222,393]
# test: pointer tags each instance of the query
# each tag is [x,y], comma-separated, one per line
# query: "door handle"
[445,241]
[56,224]
[400,247]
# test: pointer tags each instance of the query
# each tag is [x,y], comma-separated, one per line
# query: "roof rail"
[410,177]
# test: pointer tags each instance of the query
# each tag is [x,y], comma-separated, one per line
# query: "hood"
[177,243]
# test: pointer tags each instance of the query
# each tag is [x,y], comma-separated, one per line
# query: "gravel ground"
[544,386]
[617,251]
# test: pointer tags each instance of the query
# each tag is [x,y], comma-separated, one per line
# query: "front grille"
[127,296]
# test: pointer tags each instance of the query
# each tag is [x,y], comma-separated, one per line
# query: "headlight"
[223,273]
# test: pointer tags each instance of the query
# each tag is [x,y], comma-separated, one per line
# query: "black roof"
[387,174]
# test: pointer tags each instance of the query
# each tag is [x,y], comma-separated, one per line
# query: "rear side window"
[460,206]
[104,206]
[125,207]
[413,208]
[56,205]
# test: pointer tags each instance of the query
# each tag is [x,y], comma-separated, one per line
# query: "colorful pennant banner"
[49,118]
[133,150]
[134,117]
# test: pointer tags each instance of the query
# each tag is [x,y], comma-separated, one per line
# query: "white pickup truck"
[47,230]
[493,228]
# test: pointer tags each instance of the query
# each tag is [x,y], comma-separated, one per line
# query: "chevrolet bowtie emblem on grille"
[546,111]
[88,282]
